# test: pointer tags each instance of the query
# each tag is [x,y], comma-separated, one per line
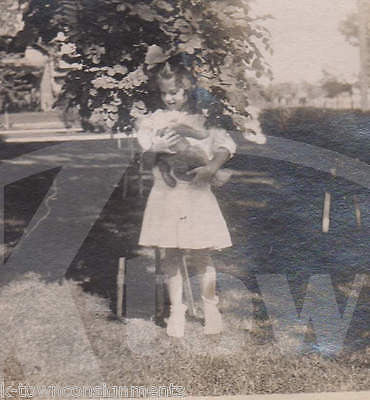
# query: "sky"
[306,39]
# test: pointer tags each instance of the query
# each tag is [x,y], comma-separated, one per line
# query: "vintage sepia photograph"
[184,199]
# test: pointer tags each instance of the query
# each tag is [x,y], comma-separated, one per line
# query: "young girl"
[185,218]
[184,155]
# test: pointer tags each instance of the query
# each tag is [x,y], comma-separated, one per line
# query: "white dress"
[186,216]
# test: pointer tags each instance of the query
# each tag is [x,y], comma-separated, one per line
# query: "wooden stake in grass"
[357,211]
[326,213]
[120,285]
[326,210]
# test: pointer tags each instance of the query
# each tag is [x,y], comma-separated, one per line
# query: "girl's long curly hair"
[200,100]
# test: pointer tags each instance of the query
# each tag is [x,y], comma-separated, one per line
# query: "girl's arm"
[162,141]
[221,139]
[221,155]
[188,131]
[154,140]
[204,174]
[223,149]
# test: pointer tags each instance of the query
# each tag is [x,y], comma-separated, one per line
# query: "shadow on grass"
[275,223]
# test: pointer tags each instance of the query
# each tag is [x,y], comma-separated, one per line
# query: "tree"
[350,29]
[16,81]
[282,93]
[10,17]
[311,91]
[333,87]
[17,91]
[356,29]
[117,47]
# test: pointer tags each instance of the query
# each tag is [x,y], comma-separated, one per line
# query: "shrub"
[345,131]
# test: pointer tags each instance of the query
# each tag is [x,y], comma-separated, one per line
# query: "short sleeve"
[144,133]
[221,139]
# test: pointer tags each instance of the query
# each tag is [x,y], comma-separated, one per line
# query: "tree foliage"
[17,90]
[17,82]
[117,46]
[350,29]
[333,87]
[10,17]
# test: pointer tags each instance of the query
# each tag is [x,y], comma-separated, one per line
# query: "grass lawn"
[274,216]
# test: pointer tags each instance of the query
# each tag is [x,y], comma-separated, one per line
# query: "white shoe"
[213,318]
[176,320]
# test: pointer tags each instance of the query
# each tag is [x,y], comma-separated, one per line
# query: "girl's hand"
[203,175]
[163,140]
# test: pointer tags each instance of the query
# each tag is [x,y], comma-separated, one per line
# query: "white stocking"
[175,284]
[176,321]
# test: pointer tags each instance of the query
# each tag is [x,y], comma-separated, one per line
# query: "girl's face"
[172,95]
